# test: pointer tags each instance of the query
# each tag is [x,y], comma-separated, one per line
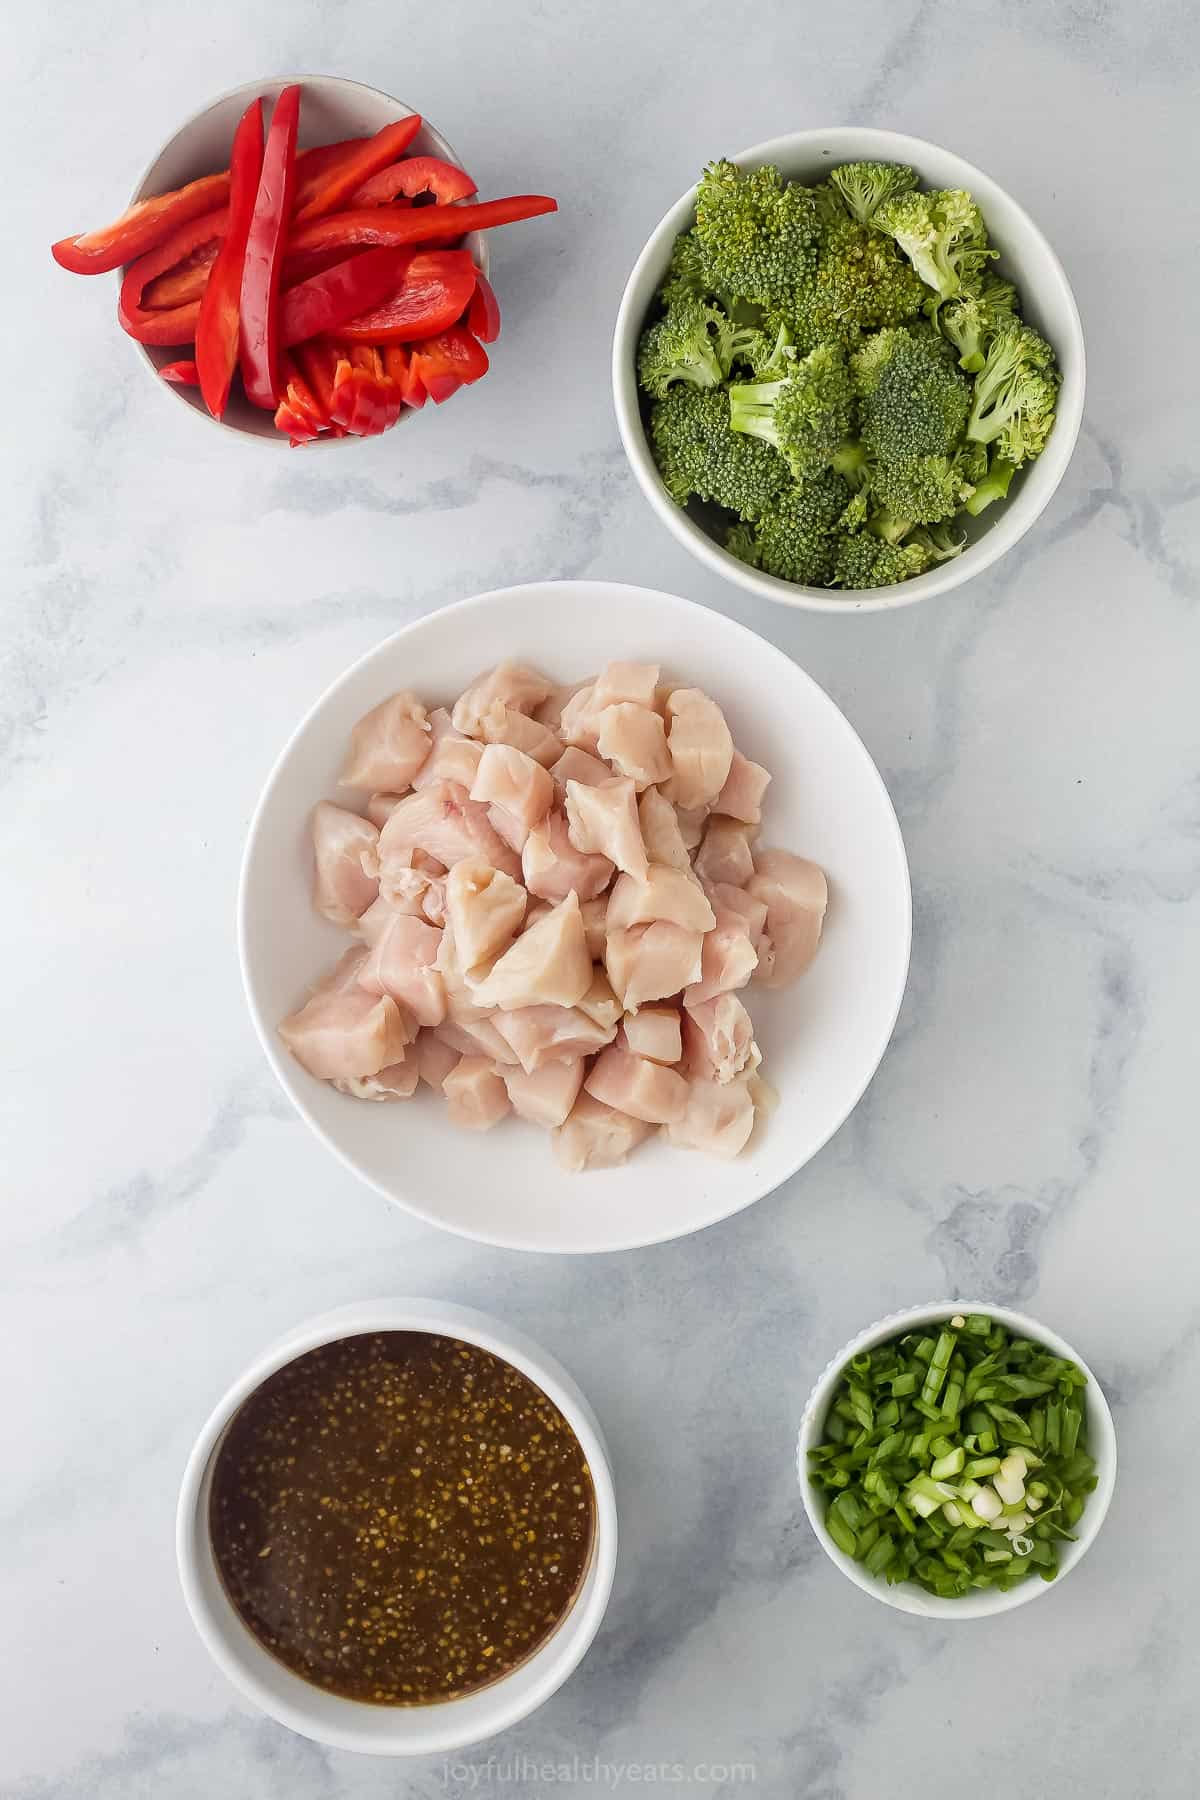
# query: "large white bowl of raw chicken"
[575,917]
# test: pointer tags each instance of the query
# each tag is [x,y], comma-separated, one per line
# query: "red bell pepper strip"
[432,294]
[218,324]
[183,374]
[368,227]
[173,324]
[415,175]
[448,361]
[354,285]
[187,280]
[299,413]
[332,187]
[398,364]
[141,229]
[263,267]
[483,314]
[317,362]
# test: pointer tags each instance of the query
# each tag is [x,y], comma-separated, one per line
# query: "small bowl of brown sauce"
[397,1531]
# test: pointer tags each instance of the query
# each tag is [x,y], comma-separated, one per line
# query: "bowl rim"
[562,1652]
[1010,524]
[475,241]
[266,1028]
[908,1597]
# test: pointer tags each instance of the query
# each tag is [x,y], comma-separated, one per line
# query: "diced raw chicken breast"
[654,1032]
[434,1059]
[505,725]
[548,964]
[577,765]
[634,740]
[652,962]
[595,1137]
[476,1037]
[796,895]
[513,684]
[380,807]
[343,1031]
[544,1034]
[724,853]
[402,963]
[388,746]
[452,756]
[660,831]
[742,795]
[691,822]
[604,822]
[546,1096]
[736,899]
[342,890]
[476,1098]
[595,926]
[718,1118]
[551,710]
[635,1085]
[728,961]
[601,1004]
[671,894]
[719,1039]
[701,748]
[620,681]
[580,720]
[485,908]
[513,832]
[398,1082]
[510,779]
[443,821]
[553,867]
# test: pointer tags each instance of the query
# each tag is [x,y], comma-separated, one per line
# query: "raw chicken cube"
[719,1038]
[601,1004]
[737,900]
[553,867]
[796,895]
[343,1031]
[724,853]
[485,908]
[380,807]
[513,684]
[505,725]
[548,964]
[671,894]
[604,822]
[595,1137]
[402,963]
[508,778]
[595,925]
[728,961]
[551,710]
[691,822]
[476,1037]
[742,795]
[634,740]
[577,765]
[652,962]
[398,1082]
[342,890]
[538,1035]
[434,1059]
[701,748]
[635,1085]
[388,746]
[654,1032]
[718,1118]
[545,1097]
[446,823]
[579,723]
[514,832]
[660,831]
[452,756]
[620,681]
[476,1098]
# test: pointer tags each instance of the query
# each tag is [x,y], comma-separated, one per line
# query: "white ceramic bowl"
[330,109]
[351,1724]
[908,1596]
[821,1041]
[1026,258]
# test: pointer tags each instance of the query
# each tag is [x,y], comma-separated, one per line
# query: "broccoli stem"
[994,485]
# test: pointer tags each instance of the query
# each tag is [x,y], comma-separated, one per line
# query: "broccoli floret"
[992,485]
[741,542]
[698,454]
[796,537]
[861,282]
[806,414]
[864,186]
[943,236]
[914,401]
[938,541]
[694,341]
[921,489]
[685,272]
[972,319]
[757,233]
[867,561]
[1015,394]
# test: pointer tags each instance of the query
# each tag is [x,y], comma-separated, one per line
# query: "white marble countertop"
[173,604]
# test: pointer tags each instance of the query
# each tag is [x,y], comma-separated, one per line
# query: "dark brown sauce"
[401,1518]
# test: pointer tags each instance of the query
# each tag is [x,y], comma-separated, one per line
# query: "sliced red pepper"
[183,374]
[218,326]
[415,175]
[483,314]
[332,186]
[432,294]
[140,229]
[353,286]
[173,324]
[318,158]
[318,363]
[372,226]
[187,280]
[263,267]
[300,405]
[397,362]
[449,361]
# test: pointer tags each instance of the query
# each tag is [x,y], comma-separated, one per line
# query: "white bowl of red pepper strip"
[956,1459]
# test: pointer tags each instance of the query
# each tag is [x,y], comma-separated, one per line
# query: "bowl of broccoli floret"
[848,370]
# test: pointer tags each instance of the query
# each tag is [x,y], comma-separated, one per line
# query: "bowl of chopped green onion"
[955,1459]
